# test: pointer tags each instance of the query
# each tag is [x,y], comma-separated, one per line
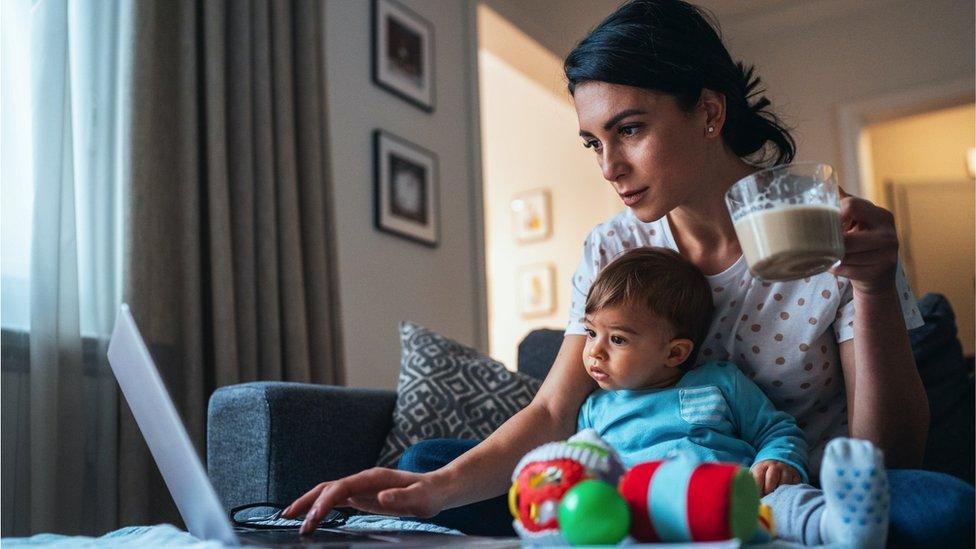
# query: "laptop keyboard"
[276,523]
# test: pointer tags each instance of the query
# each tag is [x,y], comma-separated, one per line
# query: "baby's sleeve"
[773,433]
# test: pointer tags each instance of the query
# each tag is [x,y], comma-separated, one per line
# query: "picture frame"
[536,285]
[531,216]
[403,53]
[406,201]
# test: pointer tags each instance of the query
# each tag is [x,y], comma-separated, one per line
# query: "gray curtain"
[228,251]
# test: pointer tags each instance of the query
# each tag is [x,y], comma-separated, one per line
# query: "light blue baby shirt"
[714,411]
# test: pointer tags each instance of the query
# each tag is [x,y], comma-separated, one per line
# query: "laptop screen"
[165,434]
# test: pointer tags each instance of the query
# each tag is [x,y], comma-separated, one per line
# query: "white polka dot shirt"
[783,335]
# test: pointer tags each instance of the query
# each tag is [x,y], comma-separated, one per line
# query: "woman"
[673,122]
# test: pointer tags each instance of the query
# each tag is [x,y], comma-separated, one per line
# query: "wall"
[814,56]
[812,68]
[530,140]
[383,279]
[554,24]
[815,69]
[930,147]
[925,156]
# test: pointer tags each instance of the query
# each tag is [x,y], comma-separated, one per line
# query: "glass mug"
[787,219]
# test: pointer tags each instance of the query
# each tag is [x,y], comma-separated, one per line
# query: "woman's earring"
[711,129]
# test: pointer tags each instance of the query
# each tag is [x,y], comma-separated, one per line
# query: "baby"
[646,314]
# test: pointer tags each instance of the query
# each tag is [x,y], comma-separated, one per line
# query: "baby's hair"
[659,281]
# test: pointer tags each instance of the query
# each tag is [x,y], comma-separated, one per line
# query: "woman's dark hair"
[673,47]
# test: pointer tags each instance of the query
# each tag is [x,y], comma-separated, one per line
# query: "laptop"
[186,477]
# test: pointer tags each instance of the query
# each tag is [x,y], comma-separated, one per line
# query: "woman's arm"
[486,470]
[483,472]
[886,401]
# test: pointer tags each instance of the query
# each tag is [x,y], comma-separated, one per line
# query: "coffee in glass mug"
[787,219]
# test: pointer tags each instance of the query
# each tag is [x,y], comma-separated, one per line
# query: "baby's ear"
[680,350]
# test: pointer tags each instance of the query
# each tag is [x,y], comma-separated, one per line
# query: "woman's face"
[651,151]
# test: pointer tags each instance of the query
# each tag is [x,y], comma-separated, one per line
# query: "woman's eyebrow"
[613,121]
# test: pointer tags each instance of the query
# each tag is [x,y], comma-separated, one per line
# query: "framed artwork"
[403,53]
[530,216]
[405,189]
[536,290]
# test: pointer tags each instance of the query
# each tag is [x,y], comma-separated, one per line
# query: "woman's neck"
[702,226]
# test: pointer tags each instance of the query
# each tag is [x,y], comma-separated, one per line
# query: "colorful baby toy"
[593,513]
[574,492]
[544,476]
[684,500]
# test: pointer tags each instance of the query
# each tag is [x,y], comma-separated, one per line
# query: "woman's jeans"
[927,509]
[484,518]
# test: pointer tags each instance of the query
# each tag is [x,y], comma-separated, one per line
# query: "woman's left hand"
[870,245]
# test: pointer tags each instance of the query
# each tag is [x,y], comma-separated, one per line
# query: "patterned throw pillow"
[447,390]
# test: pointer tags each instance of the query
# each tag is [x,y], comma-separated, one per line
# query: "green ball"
[593,513]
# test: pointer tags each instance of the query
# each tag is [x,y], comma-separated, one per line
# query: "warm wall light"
[971,162]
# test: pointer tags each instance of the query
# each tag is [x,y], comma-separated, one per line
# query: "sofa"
[272,441]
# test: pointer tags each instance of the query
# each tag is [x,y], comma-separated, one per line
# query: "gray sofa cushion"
[949,383]
[272,441]
[538,350]
[447,390]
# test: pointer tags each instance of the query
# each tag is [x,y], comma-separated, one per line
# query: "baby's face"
[629,349]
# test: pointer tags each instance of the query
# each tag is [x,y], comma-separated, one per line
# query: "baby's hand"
[771,473]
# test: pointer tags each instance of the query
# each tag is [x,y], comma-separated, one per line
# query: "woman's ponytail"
[750,125]
[672,46]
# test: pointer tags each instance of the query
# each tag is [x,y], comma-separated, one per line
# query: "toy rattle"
[546,474]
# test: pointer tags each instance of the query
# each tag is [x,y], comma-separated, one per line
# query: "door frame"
[853,117]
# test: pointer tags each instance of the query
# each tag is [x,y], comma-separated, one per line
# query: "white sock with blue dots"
[855,490]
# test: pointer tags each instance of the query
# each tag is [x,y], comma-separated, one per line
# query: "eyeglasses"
[268,516]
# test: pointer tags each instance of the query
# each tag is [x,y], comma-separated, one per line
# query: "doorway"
[542,192]
[918,167]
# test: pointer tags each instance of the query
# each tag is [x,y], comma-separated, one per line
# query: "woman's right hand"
[377,490]
[485,469]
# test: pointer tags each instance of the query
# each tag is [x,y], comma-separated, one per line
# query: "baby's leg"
[856,492]
[797,512]
[852,508]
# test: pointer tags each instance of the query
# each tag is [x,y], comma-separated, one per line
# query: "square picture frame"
[406,201]
[531,216]
[536,285]
[403,53]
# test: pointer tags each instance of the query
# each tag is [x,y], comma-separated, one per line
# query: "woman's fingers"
[367,503]
[413,500]
[301,504]
[865,241]
[866,259]
[861,213]
[377,490]
[359,485]
[870,245]
[877,267]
